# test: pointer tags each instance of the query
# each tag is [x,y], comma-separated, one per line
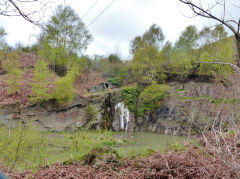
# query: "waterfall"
[124,115]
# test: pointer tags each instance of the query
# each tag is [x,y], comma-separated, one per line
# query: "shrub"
[14,73]
[22,147]
[152,96]
[91,112]
[41,80]
[64,90]
[115,81]
[130,98]
[82,142]
[177,147]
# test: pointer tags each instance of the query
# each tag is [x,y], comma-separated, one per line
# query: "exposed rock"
[192,102]
[66,117]
[189,104]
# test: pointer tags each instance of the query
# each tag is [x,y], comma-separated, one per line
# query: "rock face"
[189,105]
[193,106]
[67,117]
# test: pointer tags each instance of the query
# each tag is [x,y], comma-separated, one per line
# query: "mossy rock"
[103,154]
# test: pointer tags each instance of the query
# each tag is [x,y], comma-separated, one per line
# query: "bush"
[14,73]
[22,147]
[130,98]
[41,80]
[82,142]
[152,97]
[115,81]
[177,147]
[64,90]
[113,58]
[91,112]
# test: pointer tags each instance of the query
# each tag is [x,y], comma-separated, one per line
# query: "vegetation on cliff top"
[156,61]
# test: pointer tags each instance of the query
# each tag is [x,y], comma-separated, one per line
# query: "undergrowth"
[24,148]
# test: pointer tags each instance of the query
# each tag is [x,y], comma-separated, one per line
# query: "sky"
[113,30]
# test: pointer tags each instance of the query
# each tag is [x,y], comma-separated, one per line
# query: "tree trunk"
[238,50]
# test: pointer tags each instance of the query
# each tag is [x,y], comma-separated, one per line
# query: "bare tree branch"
[199,10]
[26,9]
[207,12]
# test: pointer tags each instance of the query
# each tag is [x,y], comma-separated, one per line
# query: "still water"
[138,142]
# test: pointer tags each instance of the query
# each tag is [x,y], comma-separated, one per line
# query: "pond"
[138,142]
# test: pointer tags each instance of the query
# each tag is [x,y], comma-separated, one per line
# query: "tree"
[188,39]
[66,30]
[154,37]
[148,59]
[183,53]
[65,37]
[215,44]
[146,64]
[113,58]
[233,24]
[2,38]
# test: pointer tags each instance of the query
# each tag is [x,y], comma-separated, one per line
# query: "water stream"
[124,115]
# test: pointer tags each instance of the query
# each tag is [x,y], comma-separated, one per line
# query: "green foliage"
[148,100]
[115,81]
[160,77]
[24,146]
[183,56]
[13,81]
[32,149]
[26,48]
[64,90]
[59,59]
[224,55]
[110,70]
[182,63]
[130,98]
[216,45]
[66,30]
[41,80]
[64,38]
[14,73]
[177,147]
[2,38]
[152,96]
[83,142]
[153,37]
[56,56]
[146,64]
[188,39]
[91,112]
[113,58]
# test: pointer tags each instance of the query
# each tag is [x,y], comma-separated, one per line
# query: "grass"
[180,90]
[195,98]
[38,149]
[210,99]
